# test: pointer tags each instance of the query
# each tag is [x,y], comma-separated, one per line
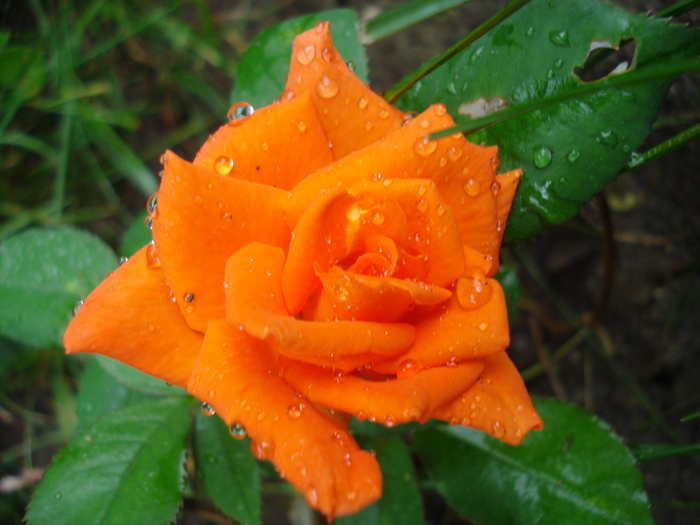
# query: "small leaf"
[262,73]
[569,150]
[44,272]
[128,468]
[227,469]
[574,471]
[400,501]
[101,393]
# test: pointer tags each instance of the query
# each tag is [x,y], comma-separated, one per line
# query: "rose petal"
[394,401]
[351,114]
[347,295]
[237,375]
[254,302]
[277,146]
[497,403]
[203,218]
[131,318]
[453,333]
[504,187]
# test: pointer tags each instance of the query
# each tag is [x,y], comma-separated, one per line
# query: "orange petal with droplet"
[394,401]
[254,302]
[351,114]
[497,403]
[237,375]
[203,218]
[454,333]
[504,189]
[277,146]
[131,318]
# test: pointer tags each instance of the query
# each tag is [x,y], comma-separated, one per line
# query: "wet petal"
[254,302]
[277,146]
[237,375]
[131,318]
[471,324]
[497,403]
[412,398]
[347,295]
[203,218]
[504,189]
[351,114]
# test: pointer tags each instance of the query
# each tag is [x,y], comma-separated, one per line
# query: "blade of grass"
[672,144]
[65,132]
[624,79]
[652,451]
[678,8]
[407,82]
[403,16]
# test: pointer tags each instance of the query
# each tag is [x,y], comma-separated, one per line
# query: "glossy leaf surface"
[128,468]
[264,66]
[227,469]
[567,151]
[44,272]
[574,471]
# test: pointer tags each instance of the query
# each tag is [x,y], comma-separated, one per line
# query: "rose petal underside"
[131,318]
[394,401]
[203,218]
[254,302]
[463,172]
[347,295]
[351,114]
[455,333]
[277,146]
[237,375]
[410,212]
[497,403]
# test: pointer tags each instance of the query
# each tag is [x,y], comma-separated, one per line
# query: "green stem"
[678,8]
[407,83]
[672,144]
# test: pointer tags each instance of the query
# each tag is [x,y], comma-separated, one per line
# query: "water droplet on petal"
[472,187]
[237,431]
[351,65]
[440,109]
[407,368]
[483,327]
[188,297]
[152,204]
[498,429]
[454,153]
[223,165]
[239,113]
[301,126]
[306,54]
[294,411]
[326,88]
[472,293]
[422,205]
[76,308]
[541,156]
[378,218]
[383,113]
[122,260]
[312,497]
[495,188]
[424,147]
[164,158]
[262,448]
[560,38]
[148,221]
[208,410]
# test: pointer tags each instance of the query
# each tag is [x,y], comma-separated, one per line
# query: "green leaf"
[101,393]
[262,73]
[568,150]
[128,468]
[135,379]
[136,237]
[400,501]
[44,272]
[227,469]
[574,471]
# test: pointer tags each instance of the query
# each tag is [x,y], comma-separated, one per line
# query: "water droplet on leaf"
[560,38]
[541,156]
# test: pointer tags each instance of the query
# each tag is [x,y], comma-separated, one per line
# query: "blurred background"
[91,95]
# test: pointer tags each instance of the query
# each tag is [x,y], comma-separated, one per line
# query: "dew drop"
[301,126]
[294,411]
[454,153]
[472,187]
[495,188]
[422,205]
[237,431]
[148,221]
[440,210]
[76,308]
[558,63]
[498,430]
[425,123]
[440,109]
[368,125]
[442,162]
[472,293]
[58,495]
[312,497]
[152,258]
[326,88]
[362,103]
[573,155]
[560,38]
[530,31]
[424,147]
[383,113]
[378,218]
[239,113]
[122,260]
[208,410]
[407,368]
[263,448]
[608,138]
[306,54]
[451,88]
[483,327]
[223,165]
[351,65]
[163,158]
[188,297]
[387,182]
[541,156]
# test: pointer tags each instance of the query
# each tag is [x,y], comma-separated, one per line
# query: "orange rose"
[322,258]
